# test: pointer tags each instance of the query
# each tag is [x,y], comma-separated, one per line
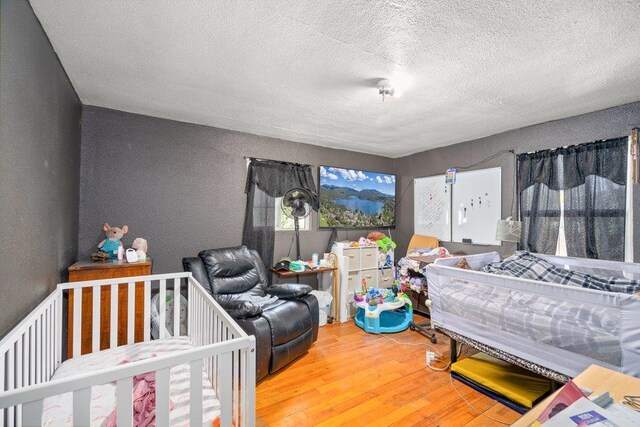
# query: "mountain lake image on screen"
[351,198]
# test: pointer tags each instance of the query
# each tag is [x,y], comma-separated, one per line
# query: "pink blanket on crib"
[58,410]
[144,401]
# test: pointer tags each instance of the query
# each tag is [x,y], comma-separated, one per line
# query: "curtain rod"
[272,160]
[574,145]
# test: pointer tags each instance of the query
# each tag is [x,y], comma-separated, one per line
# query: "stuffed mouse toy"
[111,244]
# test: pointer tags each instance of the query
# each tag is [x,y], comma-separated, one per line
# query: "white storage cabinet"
[356,264]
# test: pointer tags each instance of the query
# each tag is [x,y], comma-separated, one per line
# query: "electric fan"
[295,204]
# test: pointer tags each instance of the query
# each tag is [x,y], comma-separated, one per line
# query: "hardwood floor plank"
[350,377]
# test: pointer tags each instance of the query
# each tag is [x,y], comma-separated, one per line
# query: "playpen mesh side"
[563,327]
[584,328]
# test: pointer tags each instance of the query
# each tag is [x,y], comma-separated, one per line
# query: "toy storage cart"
[394,316]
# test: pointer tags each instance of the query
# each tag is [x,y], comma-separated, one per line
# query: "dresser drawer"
[385,278]
[369,258]
[354,258]
[353,284]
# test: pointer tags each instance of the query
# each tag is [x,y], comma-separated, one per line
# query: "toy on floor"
[382,310]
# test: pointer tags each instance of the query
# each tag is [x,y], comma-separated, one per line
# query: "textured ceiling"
[306,70]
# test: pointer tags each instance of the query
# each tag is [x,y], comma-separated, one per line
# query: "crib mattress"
[58,410]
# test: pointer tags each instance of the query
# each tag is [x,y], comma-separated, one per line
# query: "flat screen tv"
[351,198]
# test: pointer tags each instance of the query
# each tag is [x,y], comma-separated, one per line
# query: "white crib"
[219,351]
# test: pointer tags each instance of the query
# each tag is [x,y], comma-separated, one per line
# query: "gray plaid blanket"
[527,266]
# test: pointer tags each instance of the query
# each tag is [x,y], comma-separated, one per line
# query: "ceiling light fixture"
[387,88]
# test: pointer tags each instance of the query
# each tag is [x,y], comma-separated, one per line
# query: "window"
[285,223]
[576,200]
[602,213]
[282,221]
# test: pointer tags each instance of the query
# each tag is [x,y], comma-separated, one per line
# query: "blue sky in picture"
[358,180]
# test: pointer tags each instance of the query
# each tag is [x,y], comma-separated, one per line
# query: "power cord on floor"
[436,351]
[433,358]
[473,407]
[436,359]
[427,356]
[413,344]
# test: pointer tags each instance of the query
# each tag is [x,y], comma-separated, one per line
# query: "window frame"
[304,223]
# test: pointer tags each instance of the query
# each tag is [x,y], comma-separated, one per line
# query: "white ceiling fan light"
[388,88]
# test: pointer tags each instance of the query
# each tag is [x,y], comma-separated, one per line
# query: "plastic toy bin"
[324,305]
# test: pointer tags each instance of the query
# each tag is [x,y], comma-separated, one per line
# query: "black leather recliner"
[284,329]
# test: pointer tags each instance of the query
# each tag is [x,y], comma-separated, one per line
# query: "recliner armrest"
[289,290]
[239,309]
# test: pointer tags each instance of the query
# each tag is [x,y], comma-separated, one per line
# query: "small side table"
[94,270]
[289,274]
[282,274]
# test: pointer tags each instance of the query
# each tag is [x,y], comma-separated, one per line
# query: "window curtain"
[266,180]
[587,183]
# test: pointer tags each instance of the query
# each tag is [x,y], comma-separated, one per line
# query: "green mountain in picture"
[333,214]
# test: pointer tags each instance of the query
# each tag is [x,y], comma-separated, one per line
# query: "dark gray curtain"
[540,214]
[266,180]
[593,177]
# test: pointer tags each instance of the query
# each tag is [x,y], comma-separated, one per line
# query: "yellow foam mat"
[514,383]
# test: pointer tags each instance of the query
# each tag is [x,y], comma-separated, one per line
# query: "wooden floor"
[353,378]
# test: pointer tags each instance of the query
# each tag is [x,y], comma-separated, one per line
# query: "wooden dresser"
[90,270]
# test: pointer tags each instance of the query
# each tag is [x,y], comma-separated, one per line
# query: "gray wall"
[181,186]
[39,165]
[609,123]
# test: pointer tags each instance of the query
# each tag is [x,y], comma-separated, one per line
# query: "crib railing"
[210,324]
[121,291]
[30,353]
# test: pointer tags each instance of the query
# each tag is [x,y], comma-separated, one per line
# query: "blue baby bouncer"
[380,311]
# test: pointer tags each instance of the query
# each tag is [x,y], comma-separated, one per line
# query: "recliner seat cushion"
[232,271]
[288,321]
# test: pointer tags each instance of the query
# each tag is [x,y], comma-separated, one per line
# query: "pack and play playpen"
[557,330]
[204,376]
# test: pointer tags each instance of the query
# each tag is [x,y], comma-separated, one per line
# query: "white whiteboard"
[432,207]
[476,203]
